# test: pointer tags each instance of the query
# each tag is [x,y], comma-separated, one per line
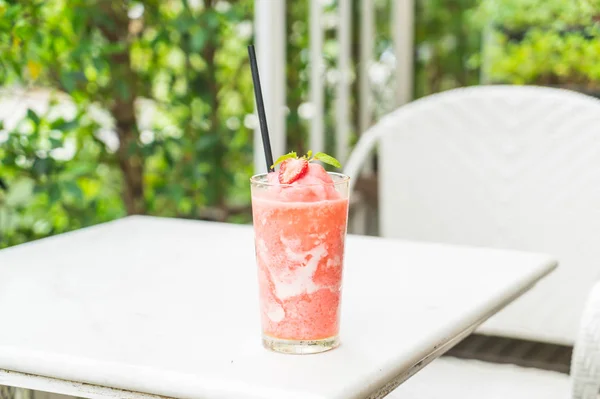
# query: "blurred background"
[109,108]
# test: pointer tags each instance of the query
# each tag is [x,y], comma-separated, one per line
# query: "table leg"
[49,395]
[7,392]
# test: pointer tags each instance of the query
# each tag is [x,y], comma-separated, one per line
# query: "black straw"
[262,118]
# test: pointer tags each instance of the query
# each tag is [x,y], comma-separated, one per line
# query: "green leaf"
[55,143]
[68,81]
[53,193]
[33,116]
[206,142]
[79,170]
[328,159]
[284,157]
[61,124]
[73,188]
[132,148]
[198,40]
[212,19]
[177,192]
[309,154]
[8,159]
[122,90]
[41,166]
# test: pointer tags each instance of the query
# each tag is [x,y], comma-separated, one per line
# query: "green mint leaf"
[328,159]
[309,154]
[283,158]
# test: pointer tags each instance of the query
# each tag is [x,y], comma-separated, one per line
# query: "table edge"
[546,268]
[70,388]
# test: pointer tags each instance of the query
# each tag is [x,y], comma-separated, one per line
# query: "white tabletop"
[170,307]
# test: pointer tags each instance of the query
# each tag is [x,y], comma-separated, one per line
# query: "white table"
[169,307]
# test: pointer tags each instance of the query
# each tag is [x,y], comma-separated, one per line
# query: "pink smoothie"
[299,235]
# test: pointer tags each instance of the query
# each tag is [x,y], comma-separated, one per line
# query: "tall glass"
[299,233]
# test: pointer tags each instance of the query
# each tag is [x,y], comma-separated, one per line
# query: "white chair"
[511,167]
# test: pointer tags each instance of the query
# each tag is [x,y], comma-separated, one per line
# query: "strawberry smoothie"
[299,227]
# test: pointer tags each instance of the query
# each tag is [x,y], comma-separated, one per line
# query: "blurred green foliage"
[515,15]
[447,44]
[146,105]
[544,42]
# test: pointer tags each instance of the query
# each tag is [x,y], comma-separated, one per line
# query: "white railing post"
[269,25]
[362,214]
[367,37]
[317,136]
[342,103]
[403,38]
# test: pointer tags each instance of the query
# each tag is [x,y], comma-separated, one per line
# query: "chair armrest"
[585,365]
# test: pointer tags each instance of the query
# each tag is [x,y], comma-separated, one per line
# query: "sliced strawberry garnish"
[292,169]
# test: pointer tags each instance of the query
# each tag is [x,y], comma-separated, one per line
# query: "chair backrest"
[500,166]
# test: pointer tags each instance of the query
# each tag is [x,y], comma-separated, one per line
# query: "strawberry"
[292,169]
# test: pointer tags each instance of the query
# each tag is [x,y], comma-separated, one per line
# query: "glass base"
[304,347]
